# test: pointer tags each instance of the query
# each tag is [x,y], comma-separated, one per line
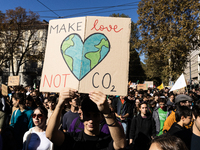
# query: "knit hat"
[182,97]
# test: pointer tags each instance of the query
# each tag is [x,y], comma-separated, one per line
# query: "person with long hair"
[21,119]
[35,138]
[136,108]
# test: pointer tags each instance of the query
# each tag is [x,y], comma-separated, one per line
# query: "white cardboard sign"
[87,53]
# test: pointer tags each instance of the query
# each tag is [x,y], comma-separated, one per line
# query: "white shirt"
[38,141]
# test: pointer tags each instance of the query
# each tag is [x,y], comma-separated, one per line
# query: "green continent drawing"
[94,57]
[66,44]
[82,56]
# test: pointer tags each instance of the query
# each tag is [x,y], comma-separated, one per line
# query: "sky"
[74,8]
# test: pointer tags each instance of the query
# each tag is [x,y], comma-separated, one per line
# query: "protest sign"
[4,90]
[13,80]
[142,86]
[87,53]
[179,91]
[149,84]
[133,85]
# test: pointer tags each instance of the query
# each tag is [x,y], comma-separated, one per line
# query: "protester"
[143,128]
[136,94]
[30,104]
[52,101]
[77,124]
[180,100]
[91,138]
[170,102]
[35,138]
[145,99]
[4,110]
[136,108]
[159,115]
[141,93]
[122,109]
[183,118]
[71,114]
[8,140]
[191,137]
[195,144]
[152,103]
[45,103]
[167,142]
[21,119]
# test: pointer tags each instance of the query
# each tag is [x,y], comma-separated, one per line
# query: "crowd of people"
[142,120]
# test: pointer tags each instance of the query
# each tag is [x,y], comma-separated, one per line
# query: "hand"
[122,118]
[65,95]
[100,99]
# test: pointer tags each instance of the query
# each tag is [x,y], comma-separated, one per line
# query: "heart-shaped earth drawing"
[81,57]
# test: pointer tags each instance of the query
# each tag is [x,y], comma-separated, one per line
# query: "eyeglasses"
[39,115]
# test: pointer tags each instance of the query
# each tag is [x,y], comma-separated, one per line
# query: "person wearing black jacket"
[183,117]
[143,129]
[122,107]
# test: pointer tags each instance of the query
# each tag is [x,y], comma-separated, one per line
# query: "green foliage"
[169,30]
[136,71]
[19,36]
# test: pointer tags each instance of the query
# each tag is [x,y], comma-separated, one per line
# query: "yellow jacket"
[170,120]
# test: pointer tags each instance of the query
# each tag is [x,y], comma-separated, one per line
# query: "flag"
[160,87]
[180,83]
[137,81]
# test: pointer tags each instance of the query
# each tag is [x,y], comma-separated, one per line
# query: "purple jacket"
[80,127]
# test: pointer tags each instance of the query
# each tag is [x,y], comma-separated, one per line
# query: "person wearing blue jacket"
[21,119]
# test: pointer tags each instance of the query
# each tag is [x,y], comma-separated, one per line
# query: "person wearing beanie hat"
[180,100]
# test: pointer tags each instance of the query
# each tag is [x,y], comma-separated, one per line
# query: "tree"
[136,71]
[169,31]
[19,38]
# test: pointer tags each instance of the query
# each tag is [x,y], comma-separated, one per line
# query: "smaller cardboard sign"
[149,84]
[142,86]
[4,89]
[179,91]
[133,85]
[13,80]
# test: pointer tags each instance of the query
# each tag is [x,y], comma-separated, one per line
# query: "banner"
[142,86]
[149,84]
[87,53]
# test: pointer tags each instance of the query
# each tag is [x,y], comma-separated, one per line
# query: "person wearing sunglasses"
[35,138]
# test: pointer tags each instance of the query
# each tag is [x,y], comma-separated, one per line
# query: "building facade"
[192,69]
[31,69]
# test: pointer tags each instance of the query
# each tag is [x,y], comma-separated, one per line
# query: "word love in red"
[102,28]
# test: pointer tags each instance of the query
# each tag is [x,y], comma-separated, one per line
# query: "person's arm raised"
[52,132]
[116,131]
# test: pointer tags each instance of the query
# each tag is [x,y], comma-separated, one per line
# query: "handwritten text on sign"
[13,80]
[84,52]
